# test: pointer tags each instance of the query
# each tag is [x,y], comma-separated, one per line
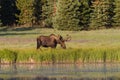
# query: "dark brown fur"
[50,41]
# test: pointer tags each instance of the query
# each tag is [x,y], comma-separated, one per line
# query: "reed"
[82,55]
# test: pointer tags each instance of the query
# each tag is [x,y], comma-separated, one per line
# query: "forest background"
[61,14]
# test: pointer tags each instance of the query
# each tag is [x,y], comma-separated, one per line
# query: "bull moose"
[52,41]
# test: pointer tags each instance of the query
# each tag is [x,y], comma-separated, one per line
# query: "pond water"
[60,72]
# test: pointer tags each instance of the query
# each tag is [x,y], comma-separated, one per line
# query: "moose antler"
[68,38]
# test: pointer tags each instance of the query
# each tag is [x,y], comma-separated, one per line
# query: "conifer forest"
[61,14]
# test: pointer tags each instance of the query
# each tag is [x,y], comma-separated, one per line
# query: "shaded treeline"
[8,10]
[61,14]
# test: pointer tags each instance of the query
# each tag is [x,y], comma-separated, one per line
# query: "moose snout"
[64,47]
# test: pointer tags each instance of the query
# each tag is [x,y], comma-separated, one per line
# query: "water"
[60,72]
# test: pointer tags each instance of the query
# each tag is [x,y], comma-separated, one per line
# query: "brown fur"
[50,41]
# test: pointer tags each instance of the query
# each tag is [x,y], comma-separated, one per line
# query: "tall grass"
[83,55]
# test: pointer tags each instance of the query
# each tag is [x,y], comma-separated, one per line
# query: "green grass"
[19,45]
[80,39]
[85,55]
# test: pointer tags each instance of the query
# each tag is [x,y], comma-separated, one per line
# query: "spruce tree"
[0,14]
[107,12]
[67,15]
[47,12]
[0,23]
[102,15]
[117,13]
[84,16]
[37,11]
[26,15]
[7,12]
[96,15]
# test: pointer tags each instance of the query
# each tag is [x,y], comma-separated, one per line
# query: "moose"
[52,40]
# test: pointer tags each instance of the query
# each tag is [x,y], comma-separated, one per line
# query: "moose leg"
[38,43]
[38,46]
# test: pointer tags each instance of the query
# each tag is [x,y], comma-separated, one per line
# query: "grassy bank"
[19,45]
[83,55]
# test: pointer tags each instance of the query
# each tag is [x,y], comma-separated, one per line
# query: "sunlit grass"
[83,55]
[80,39]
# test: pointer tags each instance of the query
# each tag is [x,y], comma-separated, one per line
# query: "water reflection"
[60,72]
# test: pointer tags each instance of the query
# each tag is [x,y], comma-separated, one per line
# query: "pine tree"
[96,15]
[117,13]
[107,10]
[37,11]
[67,15]
[0,23]
[47,12]
[26,15]
[7,12]
[85,10]
[0,14]
[102,15]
